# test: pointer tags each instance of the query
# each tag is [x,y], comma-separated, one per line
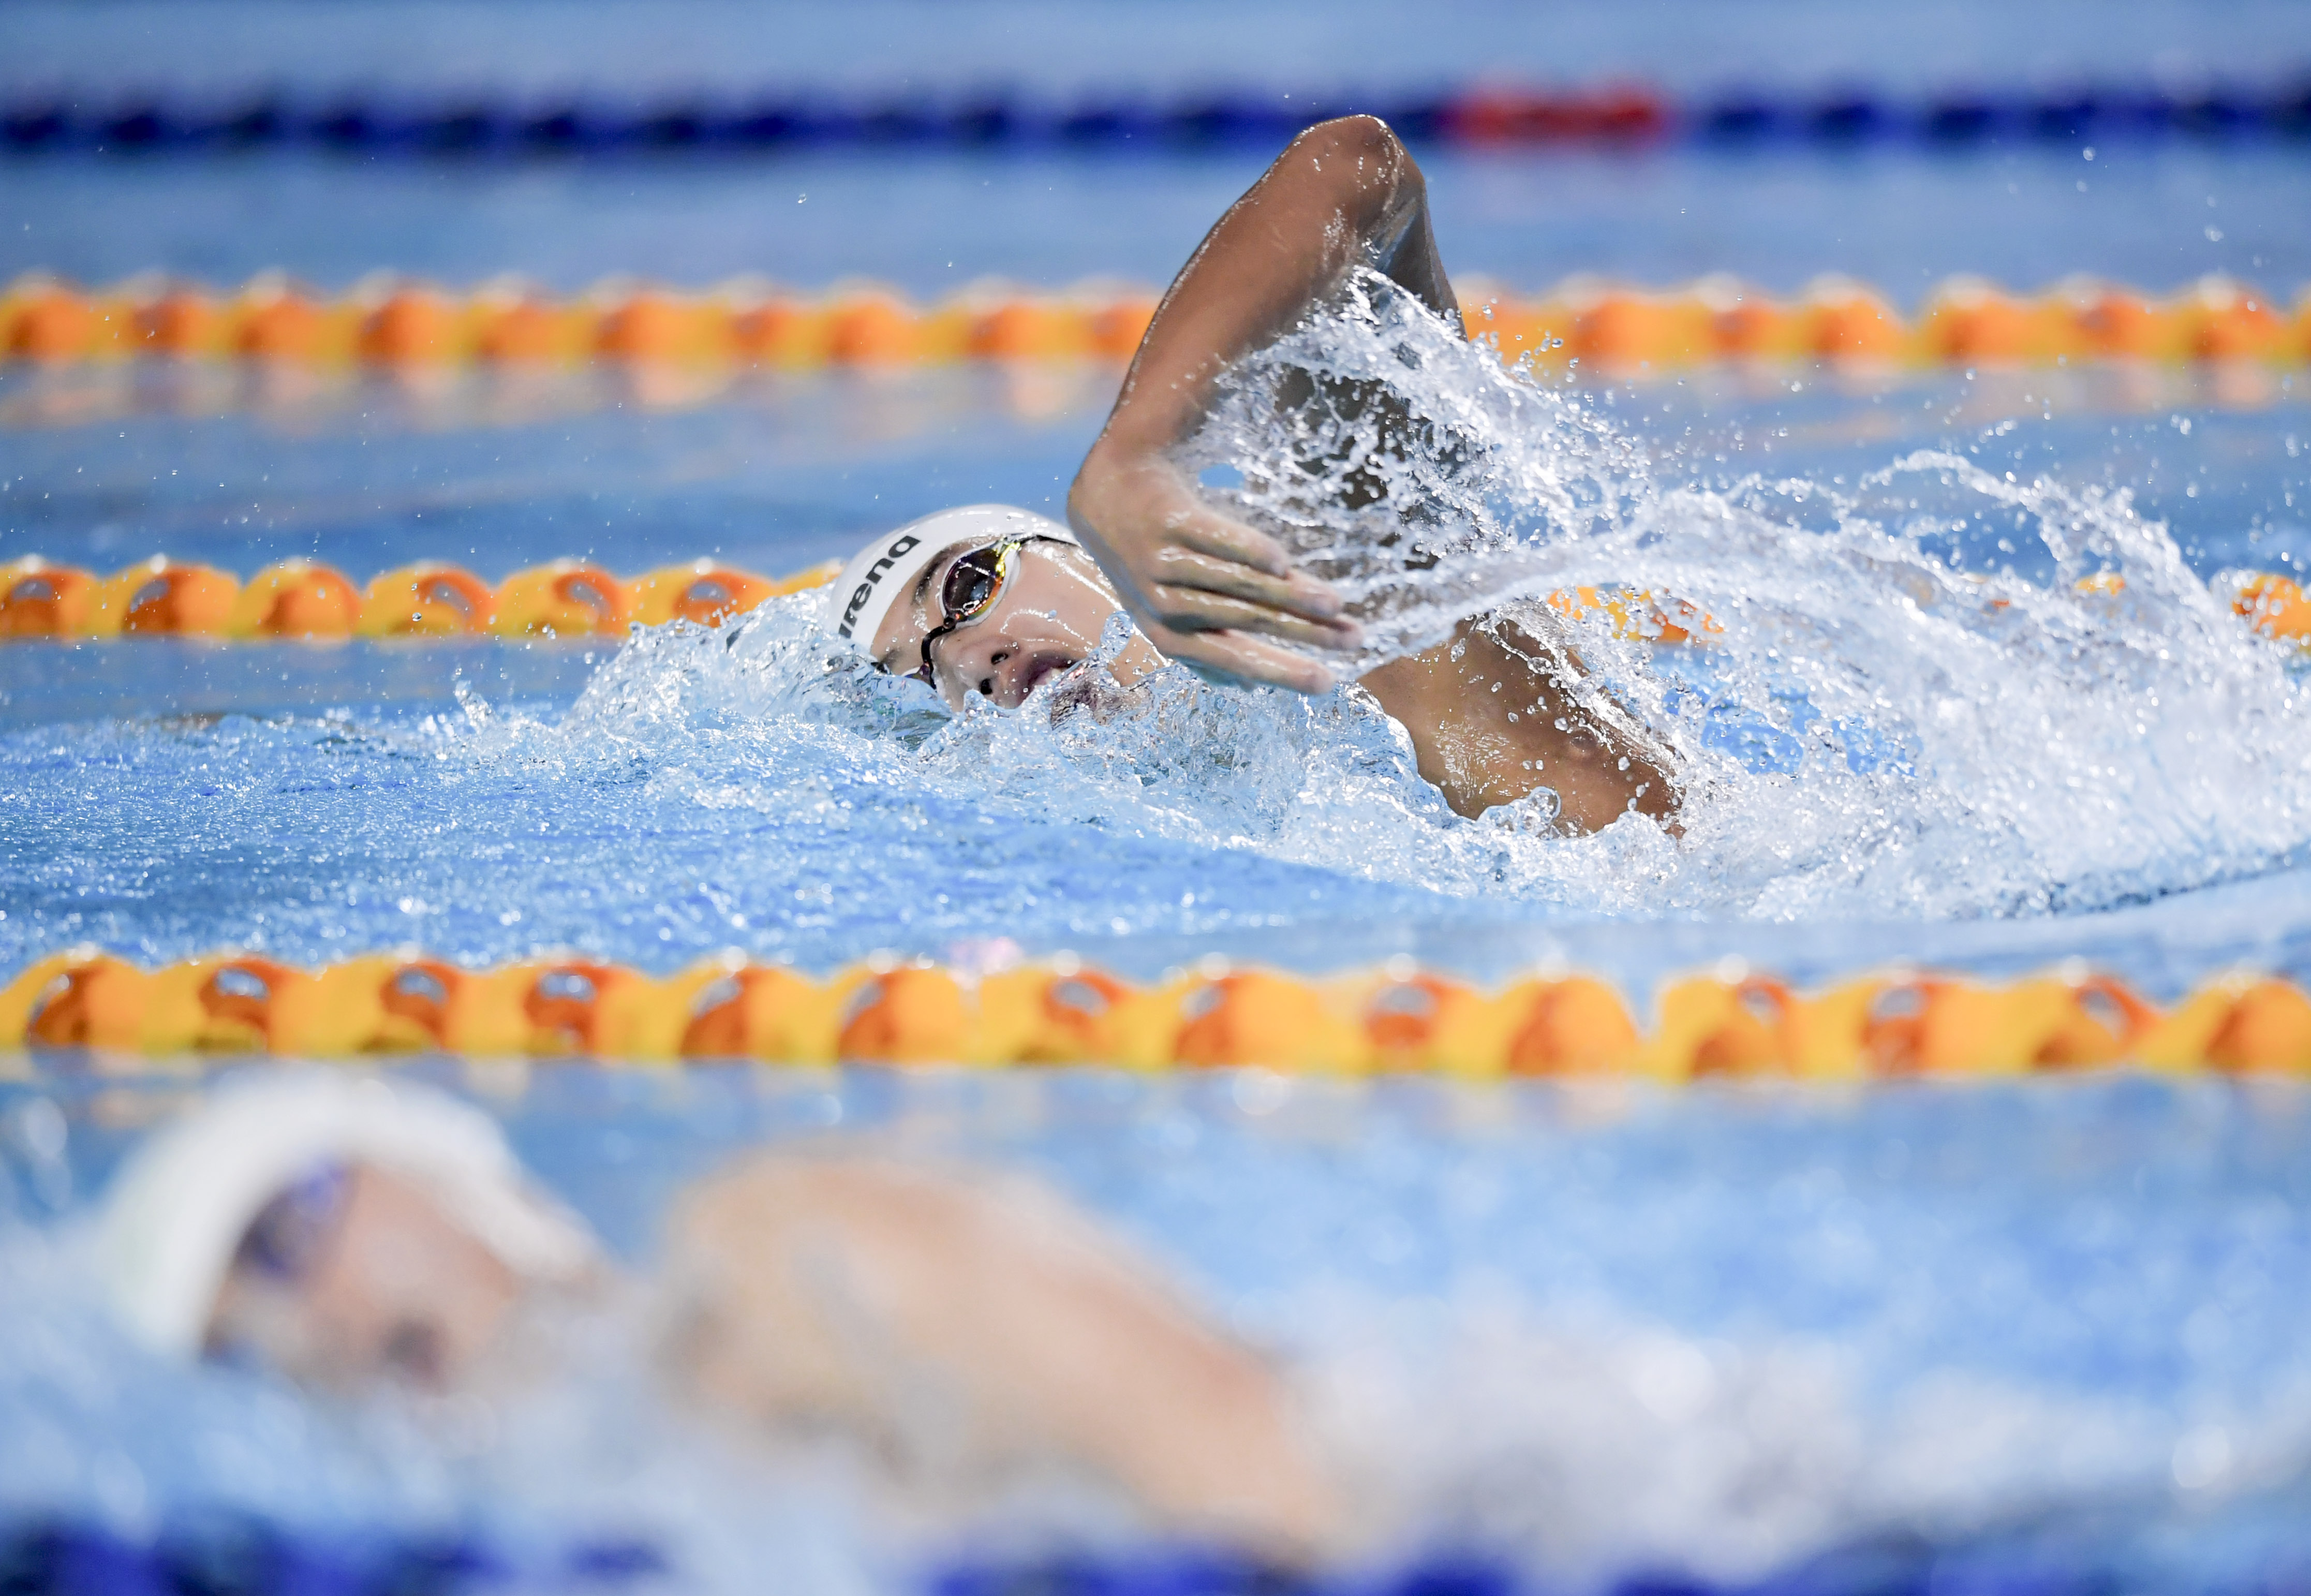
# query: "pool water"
[1911,729]
[1580,1334]
[1912,1337]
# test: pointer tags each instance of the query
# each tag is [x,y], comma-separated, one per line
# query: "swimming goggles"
[974,585]
[287,1238]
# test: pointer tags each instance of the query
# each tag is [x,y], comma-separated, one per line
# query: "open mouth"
[1041,668]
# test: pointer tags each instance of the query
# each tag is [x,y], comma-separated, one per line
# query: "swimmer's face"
[357,1279]
[1046,621]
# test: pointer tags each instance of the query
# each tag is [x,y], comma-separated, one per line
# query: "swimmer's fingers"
[1189,610]
[1194,525]
[1234,660]
[1273,598]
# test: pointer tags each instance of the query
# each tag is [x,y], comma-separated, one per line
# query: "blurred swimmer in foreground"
[353,1233]
[1000,600]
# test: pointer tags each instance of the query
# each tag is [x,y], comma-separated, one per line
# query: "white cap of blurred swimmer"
[174,1217]
[879,575]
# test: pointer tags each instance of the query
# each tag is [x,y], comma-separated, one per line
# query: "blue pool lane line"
[474,124]
[247,1558]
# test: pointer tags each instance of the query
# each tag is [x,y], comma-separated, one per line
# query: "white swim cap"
[880,574]
[175,1214]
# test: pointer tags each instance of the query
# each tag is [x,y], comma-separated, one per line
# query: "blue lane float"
[482,124]
[231,1553]
[234,1556]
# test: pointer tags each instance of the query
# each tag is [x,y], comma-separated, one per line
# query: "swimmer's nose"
[979,664]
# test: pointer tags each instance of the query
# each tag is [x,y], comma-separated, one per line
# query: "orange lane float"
[1729,1025]
[2276,606]
[1846,322]
[412,328]
[1116,325]
[566,599]
[708,593]
[788,335]
[1752,329]
[1733,1025]
[2221,321]
[41,600]
[1638,615]
[51,328]
[740,1010]
[1028,330]
[1066,1013]
[577,598]
[426,599]
[1938,1026]
[303,598]
[389,324]
[2243,1022]
[295,598]
[181,324]
[282,326]
[1965,322]
[517,330]
[655,328]
[1970,322]
[1568,1026]
[1225,1018]
[165,597]
[81,999]
[1413,1021]
[873,329]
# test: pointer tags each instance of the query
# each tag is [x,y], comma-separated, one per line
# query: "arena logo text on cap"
[902,546]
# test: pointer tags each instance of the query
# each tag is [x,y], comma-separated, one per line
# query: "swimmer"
[1000,600]
[352,1233]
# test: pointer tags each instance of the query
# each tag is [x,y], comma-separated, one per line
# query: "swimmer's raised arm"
[1204,587]
[964,1325]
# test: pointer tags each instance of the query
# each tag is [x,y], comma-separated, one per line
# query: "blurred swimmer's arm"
[1204,587]
[968,1328]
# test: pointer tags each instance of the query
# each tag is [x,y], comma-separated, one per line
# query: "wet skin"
[966,1328]
[397,1294]
[1047,622]
[1488,715]
[1492,713]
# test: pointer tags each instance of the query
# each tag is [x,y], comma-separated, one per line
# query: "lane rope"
[1729,1022]
[482,124]
[304,600]
[390,323]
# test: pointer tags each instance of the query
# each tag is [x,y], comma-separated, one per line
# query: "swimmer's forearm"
[1346,194]
[1207,590]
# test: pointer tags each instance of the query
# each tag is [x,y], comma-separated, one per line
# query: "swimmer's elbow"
[1361,155]
[1363,134]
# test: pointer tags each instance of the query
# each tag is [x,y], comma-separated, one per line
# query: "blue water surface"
[2040,1334]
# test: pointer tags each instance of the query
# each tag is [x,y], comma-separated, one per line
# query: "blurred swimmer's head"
[986,597]
[343,1230]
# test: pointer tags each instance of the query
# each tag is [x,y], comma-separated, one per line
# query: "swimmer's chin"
[1088,688]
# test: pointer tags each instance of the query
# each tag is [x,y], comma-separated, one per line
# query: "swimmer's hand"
[1209,591]
[1206,588]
